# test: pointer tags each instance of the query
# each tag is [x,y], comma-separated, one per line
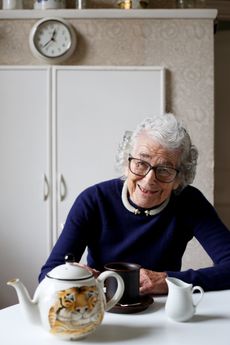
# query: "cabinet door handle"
[62,188]
[45,187]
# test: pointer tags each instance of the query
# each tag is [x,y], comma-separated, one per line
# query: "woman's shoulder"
[108,187]
[191,191]
[193,197]
[96,194]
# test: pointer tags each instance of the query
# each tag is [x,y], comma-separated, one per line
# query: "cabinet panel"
[24,147]
[93,109]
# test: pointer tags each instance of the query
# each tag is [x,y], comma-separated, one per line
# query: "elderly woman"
[150,214]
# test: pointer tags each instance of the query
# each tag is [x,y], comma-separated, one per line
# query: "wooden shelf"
[111,13]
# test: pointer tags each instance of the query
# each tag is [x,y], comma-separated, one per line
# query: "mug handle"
[201,291]
[120,287]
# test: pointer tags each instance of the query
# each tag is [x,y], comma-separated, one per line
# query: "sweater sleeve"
[214,237]
[73,238]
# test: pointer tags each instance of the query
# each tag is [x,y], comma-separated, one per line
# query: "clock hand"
[51,39]
[46,44]
[53,35]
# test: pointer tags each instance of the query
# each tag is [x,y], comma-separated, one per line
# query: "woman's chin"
[146,202]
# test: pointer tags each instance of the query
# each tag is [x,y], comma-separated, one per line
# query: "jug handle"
[201,291]
[120,287]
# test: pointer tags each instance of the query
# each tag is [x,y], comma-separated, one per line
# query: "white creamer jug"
[180,304]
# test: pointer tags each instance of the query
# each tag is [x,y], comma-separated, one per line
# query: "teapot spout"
[28,306]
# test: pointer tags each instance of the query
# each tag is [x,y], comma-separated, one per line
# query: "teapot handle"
[120,287]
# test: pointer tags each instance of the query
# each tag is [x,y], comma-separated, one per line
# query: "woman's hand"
[152,282]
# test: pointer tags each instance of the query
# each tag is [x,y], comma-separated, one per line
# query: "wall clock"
[52,40]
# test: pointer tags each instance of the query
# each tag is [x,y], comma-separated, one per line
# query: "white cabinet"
[59,131]
[24,174]
[94,107]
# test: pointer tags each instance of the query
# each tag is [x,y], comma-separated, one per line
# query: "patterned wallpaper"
[184,47]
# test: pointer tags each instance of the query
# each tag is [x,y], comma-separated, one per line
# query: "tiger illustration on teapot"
[75,310]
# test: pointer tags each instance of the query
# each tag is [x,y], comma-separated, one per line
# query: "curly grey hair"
[168,132]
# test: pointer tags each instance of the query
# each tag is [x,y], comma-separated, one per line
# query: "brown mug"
[130,273]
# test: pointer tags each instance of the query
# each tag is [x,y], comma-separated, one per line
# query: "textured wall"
[184,47]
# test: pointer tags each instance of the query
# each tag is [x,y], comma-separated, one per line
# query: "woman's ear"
[176,183]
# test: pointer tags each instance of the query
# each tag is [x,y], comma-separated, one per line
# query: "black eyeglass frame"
[154,168]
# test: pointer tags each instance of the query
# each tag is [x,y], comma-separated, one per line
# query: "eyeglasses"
[142,168]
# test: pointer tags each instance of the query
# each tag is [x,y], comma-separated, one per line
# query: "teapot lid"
[71,270]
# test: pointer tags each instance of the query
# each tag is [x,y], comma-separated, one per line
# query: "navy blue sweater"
[98,220]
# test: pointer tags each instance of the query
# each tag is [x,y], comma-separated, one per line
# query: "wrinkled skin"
[152,283]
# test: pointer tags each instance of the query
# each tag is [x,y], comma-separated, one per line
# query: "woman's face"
[147,191]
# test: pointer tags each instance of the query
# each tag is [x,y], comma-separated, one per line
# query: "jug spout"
[174,283]
[28,306]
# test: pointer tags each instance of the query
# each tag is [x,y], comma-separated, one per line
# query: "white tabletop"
[210,325]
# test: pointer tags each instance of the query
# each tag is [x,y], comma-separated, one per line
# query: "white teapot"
[69,302]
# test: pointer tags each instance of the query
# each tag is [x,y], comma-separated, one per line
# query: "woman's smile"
[146,190]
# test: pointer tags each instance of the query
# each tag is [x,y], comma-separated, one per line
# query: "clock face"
[52,40]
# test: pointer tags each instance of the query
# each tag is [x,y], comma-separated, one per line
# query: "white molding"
[111,13]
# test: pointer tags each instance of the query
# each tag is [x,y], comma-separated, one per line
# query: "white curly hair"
[168,132]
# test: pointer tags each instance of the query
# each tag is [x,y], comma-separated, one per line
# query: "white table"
[210,325]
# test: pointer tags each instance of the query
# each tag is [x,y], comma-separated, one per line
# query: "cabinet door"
[94,107]
[24,176]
